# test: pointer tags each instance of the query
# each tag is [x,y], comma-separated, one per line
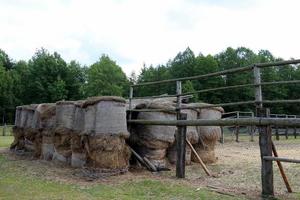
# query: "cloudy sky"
[133,32]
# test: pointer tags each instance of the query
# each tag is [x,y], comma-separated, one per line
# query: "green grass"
[17,183]
[5,141]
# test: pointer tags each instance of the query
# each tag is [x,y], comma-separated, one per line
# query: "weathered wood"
[277,132]
[150,165]
[286,130]
[222,135]
[265,144]
[199,159]
[222,122]
[286,182]
[180,148]
[271,158]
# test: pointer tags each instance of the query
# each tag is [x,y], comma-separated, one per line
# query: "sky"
[134,32]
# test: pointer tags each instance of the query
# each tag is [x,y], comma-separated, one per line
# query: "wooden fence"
[262,119]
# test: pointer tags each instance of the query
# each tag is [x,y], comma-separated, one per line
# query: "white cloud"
[133,31]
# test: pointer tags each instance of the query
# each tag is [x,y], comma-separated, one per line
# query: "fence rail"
[262,119]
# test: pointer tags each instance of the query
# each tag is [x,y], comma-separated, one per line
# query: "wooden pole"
[181,148]
[286,130]
[222,135]
[237,128]
[265,139]
[199,159]
[265,144]
[252,129]
[286,182]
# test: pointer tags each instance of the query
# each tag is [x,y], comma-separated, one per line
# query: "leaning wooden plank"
[150,165]
[287,184]
[198,157]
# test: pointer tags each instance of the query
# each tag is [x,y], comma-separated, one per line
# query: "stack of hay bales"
[65,112]
[208,135]
[106,130]
[47,127]
[150,141]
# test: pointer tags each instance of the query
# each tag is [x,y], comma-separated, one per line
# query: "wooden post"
[295,130]
[252,129]
[265,144]
[180,136]
[265,139]
[286,130]
[130,102]
[237,128]
[180,148]
[277,130]
[222,135]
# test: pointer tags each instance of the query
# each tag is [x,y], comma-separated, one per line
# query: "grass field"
[237,177]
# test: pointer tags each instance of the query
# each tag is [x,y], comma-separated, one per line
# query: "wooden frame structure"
[262,119]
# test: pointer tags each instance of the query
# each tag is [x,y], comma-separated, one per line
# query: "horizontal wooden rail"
[229,71]
[222,122]
[222,88]
[218,105]
[281,159]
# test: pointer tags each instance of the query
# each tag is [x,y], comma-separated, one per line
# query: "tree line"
[47,77]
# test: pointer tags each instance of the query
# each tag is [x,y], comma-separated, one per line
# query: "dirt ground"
[237,172]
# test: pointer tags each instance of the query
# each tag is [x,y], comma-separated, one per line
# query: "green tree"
[105,77]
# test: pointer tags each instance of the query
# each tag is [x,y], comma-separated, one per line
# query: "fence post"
[252,129]
[265,139]
[237,128]
[180,136]
[222,135]
[286,130]
[180,148]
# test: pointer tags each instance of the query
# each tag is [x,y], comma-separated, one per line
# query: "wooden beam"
[286,182]
[198,157]
[271,158]
[181,148]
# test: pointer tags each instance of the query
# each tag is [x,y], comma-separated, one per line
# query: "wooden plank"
[286,182]
[199,159]
[265,144]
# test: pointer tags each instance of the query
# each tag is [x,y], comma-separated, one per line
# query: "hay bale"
[62,148]
[191,131]
[78,127]
[172,154]
[18,116]
[65,112]
[108,152]
[156,156]
[208,135]
[47,147]
[78,158]
[47,116]
[156,136]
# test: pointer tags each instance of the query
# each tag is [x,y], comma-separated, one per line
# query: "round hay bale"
[78,118]
[111,118]
[172,154]
[208,136]
[89,119]
[191,131]
[159,134]
[108,152]
[47,116]
[156,156]
[78,159]
[18,116]
[65,111]
[47,147]
[62,148]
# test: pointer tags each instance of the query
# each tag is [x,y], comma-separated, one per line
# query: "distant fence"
[251,130]
[6,130]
